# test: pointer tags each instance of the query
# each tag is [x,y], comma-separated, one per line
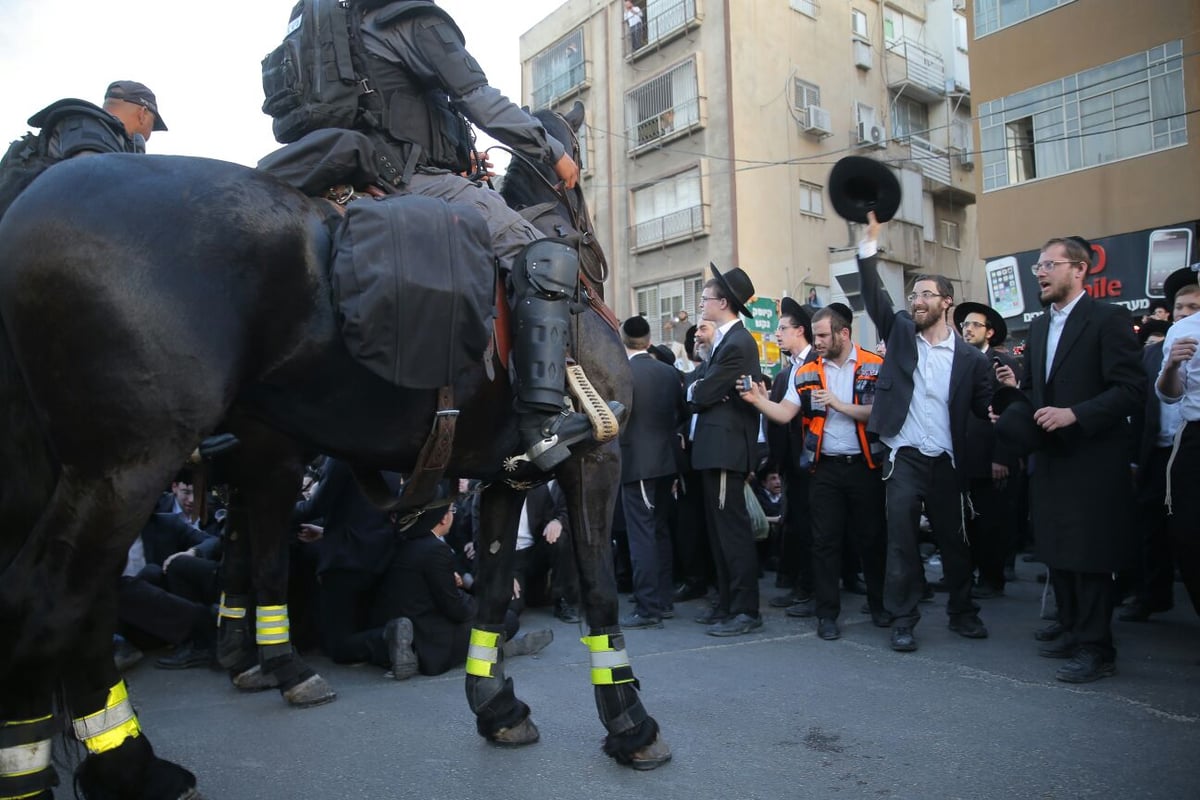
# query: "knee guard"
[544,276]
[547,268]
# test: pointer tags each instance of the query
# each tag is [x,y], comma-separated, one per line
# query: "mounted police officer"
[414,87]
[72,127]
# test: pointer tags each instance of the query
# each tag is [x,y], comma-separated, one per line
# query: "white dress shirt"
[839,438]
[927,426]
[1189,401]
[1058,321]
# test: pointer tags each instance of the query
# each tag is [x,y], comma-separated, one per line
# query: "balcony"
[934,162]
[682,225]
[569,82]
[944,173]
[663,108]
[915,71]
[670,21]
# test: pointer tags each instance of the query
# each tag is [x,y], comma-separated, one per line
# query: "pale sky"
[201,59]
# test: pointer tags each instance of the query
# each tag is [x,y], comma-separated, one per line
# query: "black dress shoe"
[711,616]
[687,591]
[636,620]
[742,623]
[1063,647]
[187,656]
[789,599]
[1050,632]
[802,610]
[566,612]
[903,640]
[1086,666]
[827,629]
[971,627]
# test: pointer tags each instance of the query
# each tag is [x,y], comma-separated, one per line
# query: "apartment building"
[711,131]
[1085,122]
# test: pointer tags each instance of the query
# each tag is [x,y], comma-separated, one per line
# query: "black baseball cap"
[138,94]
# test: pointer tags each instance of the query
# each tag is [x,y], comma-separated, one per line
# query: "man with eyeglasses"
[724,451]
[993,487]
[1084,378]
[786,442]
[931,381]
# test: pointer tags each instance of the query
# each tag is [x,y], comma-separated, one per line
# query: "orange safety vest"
[812,376]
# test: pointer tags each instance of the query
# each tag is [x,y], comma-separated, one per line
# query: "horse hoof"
[523,733]
[314,691]
[651,756]
[253,680]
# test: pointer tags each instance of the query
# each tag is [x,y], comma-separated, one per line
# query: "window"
[992,15]
[909,118]
[858,24]
[812,199]
[1126,108]
[805,7]
[949,231]
[806,94]
[668,211]
[663,106]
[558,70]
[662,304]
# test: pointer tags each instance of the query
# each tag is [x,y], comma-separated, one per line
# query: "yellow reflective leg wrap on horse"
[25,746]
[229,612]
[483,654]
[108,729]
[271,625]
[610,662]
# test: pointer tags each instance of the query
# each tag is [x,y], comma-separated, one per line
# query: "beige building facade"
[1085,126]
[712,125]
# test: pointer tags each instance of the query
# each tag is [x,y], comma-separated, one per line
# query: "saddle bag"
[414,283]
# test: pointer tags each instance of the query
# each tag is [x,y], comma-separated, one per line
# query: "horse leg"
[27,728]
[499,716]
[236,650]
[633,738]
[120,764]
[267,472]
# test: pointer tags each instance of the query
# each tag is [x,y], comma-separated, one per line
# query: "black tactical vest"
[72,126]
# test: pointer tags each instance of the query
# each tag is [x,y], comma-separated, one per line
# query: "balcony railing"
[663,107]
[560,85]
[934,162]
[687,223]
[911,65]
[668,21]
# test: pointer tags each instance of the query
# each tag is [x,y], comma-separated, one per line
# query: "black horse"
[148,301]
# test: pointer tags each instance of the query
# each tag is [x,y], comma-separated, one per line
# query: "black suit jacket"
[786,442]
[423,578]
[1080,487]
[727,428]
[970,373]
[981,433]
[358,536]
[1149,420]
[648,440]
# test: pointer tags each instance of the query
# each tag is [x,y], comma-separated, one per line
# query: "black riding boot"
[545,277]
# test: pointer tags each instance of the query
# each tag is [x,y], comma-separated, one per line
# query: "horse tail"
[28,471]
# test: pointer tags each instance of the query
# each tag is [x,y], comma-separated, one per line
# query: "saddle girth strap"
[596,301]
[421,487]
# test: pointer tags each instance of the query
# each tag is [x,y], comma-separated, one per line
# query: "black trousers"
[194,578]
[647,512]
[693,552]
[734,552]
[169,618]
[847,498]
[796,545]
[990,519]
[1185,511]
[350,629]
[1154,575]
[1085,606]
[913,481]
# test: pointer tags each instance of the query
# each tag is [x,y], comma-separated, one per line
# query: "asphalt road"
[774,714]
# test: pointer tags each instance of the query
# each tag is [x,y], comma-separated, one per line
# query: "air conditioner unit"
[819,122]
[966,159]
[871,135]
[960,5]
[862,54]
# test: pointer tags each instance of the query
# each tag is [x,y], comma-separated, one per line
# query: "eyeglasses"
[970,324]
[925,296]
[1047,266]
[704,299]
[785,328]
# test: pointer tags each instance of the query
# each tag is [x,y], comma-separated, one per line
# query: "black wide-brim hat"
[738,287]
[1176,281]
[994,320]
[858,185]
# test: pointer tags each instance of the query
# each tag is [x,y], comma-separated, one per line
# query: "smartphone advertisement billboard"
[1128,269]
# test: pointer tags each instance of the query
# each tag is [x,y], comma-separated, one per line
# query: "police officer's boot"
[545,276]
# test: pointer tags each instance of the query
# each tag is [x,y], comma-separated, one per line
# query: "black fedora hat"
[1176,281]
[788,307]
[738,288]
[994,320]
[858,185]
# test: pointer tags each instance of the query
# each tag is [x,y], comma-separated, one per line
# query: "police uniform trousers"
[734,552]
[915,480]
[1184,523]
[846,498]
